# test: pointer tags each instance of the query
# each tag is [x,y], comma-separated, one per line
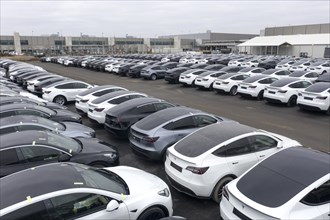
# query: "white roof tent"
[305,39]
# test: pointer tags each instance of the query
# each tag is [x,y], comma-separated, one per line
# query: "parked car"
[315,97]
[98,107]
[120,118]
[268,64]
[135,71]
[306,75]
[64,91]
[291,184]
[323,78]
[300,66]
[31,83]
[285,91]
[151,136]
[202,163]
[231,69]
[153,72]
[280,74]
[59,115]
[188,77]
[285,64]
[26,149]
[94,93]
[74,190]
[254,86]
[229,82]
[252,71]
[206,79]
[214,67]
[31,122]
[320,67]
[38,87]
[22,99]
[173,75]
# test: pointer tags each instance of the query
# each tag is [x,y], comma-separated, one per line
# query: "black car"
[135,71]
[172,75]
[169,65]
[119,119]
[25,149]
[20,78]
[325,77]
[32,77]
[23,99]
[215,67]
[38,86]
[268,64]
[123,70]
[59,115]
[22,73]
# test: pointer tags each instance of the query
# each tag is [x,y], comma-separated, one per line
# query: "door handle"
[235,163]
[261,155]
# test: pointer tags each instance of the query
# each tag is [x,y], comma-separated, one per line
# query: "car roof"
[55,177]
[94,89]
[19,119]
[256,77]
[128,105]
[280,177]
[210,136]
[24,106]
[163,116]
[285,81]
[111,95]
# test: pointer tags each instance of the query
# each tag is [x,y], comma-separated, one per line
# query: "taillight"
[224,82]
[225,192]
[253,87]
[84,100]
[282,91]
[150,139]
[322,97]
[98,109]
[47,92]
[197,170]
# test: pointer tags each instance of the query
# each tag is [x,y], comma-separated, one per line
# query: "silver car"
[151,136]
[31,122]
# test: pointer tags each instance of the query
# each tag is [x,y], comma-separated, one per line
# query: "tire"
[61,100]
[152,214]
[233,91]
[153,77]
[193,84]
[211,87]
[328,111]
[292,101]
[260,95]
[217,191]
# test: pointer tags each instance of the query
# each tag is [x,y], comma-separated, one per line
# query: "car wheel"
[61,100]
[233,91]
[292,101]
[260,95]
[152,213]
[217,191]
[153,77]
[211,87]
[328,111]
[193,84]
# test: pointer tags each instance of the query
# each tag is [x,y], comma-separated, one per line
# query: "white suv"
[188,77]
[206,79]
[64,91]
[320,68]
[285,90]
[229,82]
[254,86]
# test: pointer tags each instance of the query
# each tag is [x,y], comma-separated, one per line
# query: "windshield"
[67,144]
[49,123]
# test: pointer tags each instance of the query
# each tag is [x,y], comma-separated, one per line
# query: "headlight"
[165,192]
[110,155]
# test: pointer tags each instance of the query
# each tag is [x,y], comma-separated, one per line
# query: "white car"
[30,83]
[229,82]
[93,93]
[285,90]
[285,65]
[202,163]
[320,67]
[300,66]
[306,75]
[252,71]
[250,63]
[110,66]
[64,91]
[98,107]
[236,62]
[254,86]
[206,79]
[315,97]
[76,191]
[280,74]
[291,184]
[188,77]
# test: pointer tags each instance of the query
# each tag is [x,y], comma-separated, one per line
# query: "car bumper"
[99,117]
[313,105]
[47,97]
[248,92]
[222,87]
[185,81]
[275,98]
[82,107]
[203,84]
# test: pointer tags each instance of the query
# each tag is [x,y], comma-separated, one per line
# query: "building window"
[59,42]
[128,42]
[88,43]
[160,43]
[24,42]
[6,42]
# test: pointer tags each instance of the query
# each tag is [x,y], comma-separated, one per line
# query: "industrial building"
[301,41]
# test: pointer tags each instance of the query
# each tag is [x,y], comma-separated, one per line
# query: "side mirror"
[63,158]
[112,205]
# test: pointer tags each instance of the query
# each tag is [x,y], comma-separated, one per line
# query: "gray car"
[31,122]
[151,136]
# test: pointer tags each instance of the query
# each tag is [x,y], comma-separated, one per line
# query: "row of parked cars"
[287,83]
[205,156]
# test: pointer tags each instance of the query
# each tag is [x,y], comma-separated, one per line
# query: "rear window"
[270,71]
[282,82]
[151,122]
[89,91]
[226,76]
[254,79]
[297,74]
[318,87]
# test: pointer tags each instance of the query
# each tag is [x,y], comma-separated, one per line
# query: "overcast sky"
[155,18]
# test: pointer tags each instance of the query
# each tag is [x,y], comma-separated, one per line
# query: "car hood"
[77,130]
[94,145]
[139,181]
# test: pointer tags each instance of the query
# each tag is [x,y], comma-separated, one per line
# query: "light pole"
[32,42]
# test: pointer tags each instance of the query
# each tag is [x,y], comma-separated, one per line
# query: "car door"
[263,145]
[66,89]
[10,162]
[85,206]
[239,156]
[35,155]
[78,88]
